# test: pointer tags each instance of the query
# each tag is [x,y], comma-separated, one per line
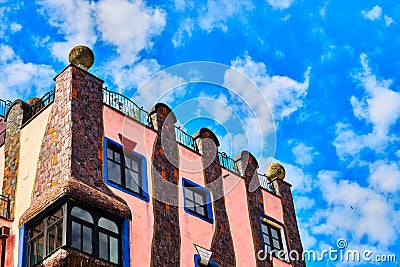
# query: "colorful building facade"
[90,179]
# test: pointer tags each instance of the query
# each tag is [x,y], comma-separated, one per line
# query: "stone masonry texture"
[70,257]
[16,116]
[166,236]
[289,218]
[222,244]
[70,160]
[255,203]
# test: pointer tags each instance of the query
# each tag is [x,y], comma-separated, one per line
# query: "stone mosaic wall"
[71,155]
[289,218]
[69,257]
[222,244]
[166,235]
[16,117]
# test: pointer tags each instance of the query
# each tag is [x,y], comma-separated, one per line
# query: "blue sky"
[328,70]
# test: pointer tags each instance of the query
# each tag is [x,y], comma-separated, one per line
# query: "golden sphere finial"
[81,56]
[275,170]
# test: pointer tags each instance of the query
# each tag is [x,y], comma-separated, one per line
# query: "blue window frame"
[197,200]
[198,264]
[126,172]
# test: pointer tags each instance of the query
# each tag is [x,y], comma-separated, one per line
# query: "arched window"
[95,234]
[82,230]
[108,240]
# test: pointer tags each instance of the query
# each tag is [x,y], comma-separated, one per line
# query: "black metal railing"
[4,106]
[4,207]
[185,139]
[266,183]
[42,103]
[228,163]
[126,106]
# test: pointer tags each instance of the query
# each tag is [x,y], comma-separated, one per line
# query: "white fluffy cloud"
[379,106]
[161,88]
[217,13]
[129,26]
[19,79]
[304,154]
[302,182]
[74,20]
[354,212]
[284,95]
[388,20]
[384,176]
[184,31]
[280,4]
[374,14]
[15,27]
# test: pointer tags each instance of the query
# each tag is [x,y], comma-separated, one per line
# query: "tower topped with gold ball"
[275,171]
[81,56]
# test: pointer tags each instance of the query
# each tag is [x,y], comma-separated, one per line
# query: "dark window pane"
[54,217]
[37,230]
[40,248]
[32,253]
[274,233]
[51,239]
[54,237]
[114,250]
[76,235]
[201,210]
[189,194]
[135,165]
[132,180]
[277,244]
[110,153]
[264,228]
[87,239]
[117,157]
[114,172]
[199,199]
[190,205]
[103,246]
[59,235]
[266,239]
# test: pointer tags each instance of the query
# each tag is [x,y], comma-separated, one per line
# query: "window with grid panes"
[197,200]
[272,240]
[124,170]
[45,237]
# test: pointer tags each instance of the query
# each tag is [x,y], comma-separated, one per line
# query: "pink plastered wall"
[238,215]
[193,229]
[273,206]
[279,263]
[141,228]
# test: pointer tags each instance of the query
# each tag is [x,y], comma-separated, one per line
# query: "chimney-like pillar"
[276,173]
[222,243]
[165,160]
[247,166]
[16,116]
